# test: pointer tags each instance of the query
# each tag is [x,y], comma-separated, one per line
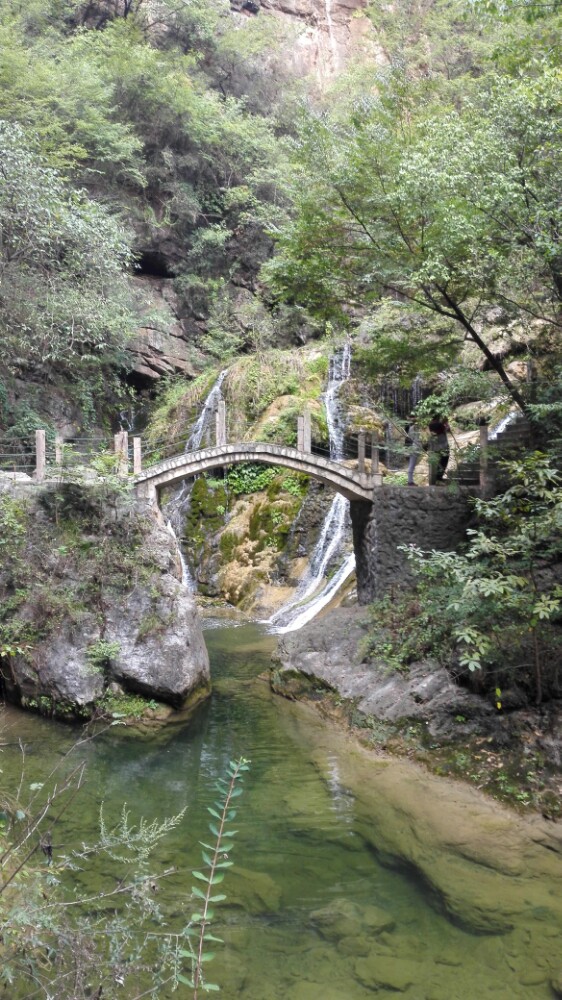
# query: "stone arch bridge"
[383,518]
[351,483]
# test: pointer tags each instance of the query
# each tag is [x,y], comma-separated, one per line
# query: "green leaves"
[433,206]
[213,856]
[500,600]
[63,260]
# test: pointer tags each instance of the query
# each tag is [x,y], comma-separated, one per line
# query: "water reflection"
[318,907]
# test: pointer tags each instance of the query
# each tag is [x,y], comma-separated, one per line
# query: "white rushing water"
[313,592]
[176,508]
[504,422]
[206,418]
[186,577]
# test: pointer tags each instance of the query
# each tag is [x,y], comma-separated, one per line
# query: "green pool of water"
[312,911]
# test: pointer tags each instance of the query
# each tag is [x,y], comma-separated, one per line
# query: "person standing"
[439,445]
[414,445]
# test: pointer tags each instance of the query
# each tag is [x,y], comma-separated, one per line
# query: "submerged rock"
[378,972]
[344,919]
[484,868]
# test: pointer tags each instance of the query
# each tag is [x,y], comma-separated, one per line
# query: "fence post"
[137,455]
[307,432]
[220,424]
[484,458]
[300,433]
[39,456]
[361,452]
[58,450]
[121,446]
[374,453]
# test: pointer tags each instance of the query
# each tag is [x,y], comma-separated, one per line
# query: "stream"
[320,905]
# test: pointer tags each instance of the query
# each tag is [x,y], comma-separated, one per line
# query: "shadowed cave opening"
[152,264]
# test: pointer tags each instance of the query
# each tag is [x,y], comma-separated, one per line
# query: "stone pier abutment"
[434,517]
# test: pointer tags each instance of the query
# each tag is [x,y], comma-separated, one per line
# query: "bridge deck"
[352,484]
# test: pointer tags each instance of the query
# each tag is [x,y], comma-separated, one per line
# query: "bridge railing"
[124,454]
[39,455]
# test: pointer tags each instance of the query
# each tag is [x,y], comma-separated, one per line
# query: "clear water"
[305,843]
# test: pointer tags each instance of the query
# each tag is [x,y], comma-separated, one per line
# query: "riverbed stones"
[255,892]
[556,983]
[378,972]
[343,919]
[485,868]
[354,946]
[319,991]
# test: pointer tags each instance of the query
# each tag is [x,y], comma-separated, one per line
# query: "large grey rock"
[168,663]
[329,650]
[143,635]
[59,668]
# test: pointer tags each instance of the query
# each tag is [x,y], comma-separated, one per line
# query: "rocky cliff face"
[91,604]
[321,38]
[162,344]
[327,33]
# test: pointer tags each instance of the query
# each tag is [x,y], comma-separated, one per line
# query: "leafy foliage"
[216,859]
[496,608]
[64,298]
[52,940]
[444,207]
[73,943]
[250,478]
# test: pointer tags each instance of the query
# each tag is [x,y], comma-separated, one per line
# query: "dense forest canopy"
[427,177]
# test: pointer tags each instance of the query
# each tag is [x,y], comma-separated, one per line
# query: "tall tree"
[452,210]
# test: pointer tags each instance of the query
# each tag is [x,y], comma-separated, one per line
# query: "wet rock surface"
[514,754]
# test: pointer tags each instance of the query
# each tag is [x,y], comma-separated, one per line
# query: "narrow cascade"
[204,421]
[186,578]
[510,418]
[330,24]
[308,600]
[177,507]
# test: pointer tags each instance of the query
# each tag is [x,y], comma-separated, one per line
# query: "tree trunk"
[488,354]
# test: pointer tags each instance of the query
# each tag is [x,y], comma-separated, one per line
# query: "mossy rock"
[271,522]
[228,544]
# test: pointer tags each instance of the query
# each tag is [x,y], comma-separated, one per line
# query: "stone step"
[521,435]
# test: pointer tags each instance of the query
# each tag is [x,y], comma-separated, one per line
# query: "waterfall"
[510,418]
[330,25]
[186,578]
[178,505]
[204,421]
[307,601]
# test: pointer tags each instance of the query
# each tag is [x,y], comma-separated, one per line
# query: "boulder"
[107,609]
[378,972]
